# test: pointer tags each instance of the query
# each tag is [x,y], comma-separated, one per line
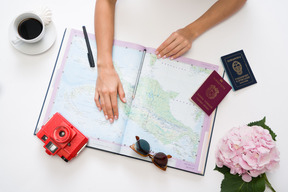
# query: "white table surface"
[260,28]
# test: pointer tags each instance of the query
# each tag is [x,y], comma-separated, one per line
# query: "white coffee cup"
[31,32]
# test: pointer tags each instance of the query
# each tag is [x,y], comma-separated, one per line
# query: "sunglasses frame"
[150,155]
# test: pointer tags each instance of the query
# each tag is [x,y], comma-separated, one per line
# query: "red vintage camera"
[62,138]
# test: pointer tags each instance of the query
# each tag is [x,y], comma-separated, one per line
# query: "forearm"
[104,30]
[218,12]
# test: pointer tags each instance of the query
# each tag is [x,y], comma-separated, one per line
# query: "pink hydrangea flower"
[247,151]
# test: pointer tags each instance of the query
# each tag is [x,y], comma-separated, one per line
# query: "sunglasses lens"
[142,147]
[161,159]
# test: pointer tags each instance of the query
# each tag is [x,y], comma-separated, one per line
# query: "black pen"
[89,54]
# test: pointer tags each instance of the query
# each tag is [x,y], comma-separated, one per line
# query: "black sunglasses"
[142,147]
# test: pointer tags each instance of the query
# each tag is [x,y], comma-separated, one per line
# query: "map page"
[161,111]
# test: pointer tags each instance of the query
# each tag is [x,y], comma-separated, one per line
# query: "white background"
[260,28]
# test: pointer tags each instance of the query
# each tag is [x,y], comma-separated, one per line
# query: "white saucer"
[34,48]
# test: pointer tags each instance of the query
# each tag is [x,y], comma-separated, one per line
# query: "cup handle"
[16,40]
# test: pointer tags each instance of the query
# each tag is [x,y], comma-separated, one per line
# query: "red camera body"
[62,138]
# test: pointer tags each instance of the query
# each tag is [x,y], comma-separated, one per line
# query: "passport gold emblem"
[212,91]
[237,67]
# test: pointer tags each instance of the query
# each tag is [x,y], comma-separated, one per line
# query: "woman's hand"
[108,86]
[176,44]
[180,41]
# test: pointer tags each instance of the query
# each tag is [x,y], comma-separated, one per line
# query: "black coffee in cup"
[30,28]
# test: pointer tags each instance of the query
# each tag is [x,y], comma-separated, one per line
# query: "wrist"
[194,30]
[104,61]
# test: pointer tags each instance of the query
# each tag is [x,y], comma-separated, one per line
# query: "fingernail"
[106,117]
[111,120]
[115,117]
[156,52]
[99,108]
[124,99]
[158,56]
[171,58]
[164,57]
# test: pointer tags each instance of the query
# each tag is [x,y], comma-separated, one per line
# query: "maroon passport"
[211,93]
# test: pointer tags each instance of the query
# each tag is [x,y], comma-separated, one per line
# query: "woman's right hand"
[108,86]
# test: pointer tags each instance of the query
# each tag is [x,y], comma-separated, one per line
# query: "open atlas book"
[161,111]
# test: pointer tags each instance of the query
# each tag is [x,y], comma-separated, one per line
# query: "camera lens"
[62,133]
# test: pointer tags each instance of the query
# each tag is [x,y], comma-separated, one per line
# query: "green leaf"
[234,183]
[223,169]
[264,126]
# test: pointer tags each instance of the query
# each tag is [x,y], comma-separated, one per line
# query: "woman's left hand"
[178,43]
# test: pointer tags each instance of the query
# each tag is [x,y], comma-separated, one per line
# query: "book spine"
[138,74]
